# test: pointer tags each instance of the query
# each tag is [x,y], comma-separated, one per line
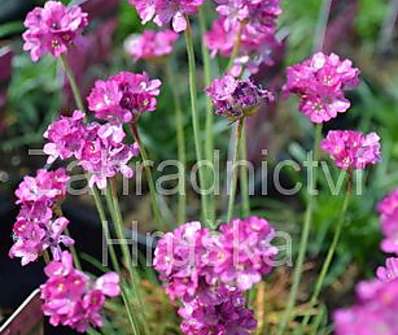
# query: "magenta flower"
[191,258]
[52,29]
[246,254]
[352,149]
[235,99]
[162,12]
[320,83]
[124,97]
[151,45]
[388,210]
[375,312]
[103,155]
[390,271]
[72,299]
[49,186]
[255,22]
[178,259]
[37,232]
[65,136]
[35,229]
[225,313]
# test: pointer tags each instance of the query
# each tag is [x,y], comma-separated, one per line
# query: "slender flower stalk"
[72,82]
[73,252]
[234,174]
[244,181]
[46,256]
[114,209]
[195,117]
[152,189]
[97,200]
[182,201]
[332,249]
[298,270]
[115,263]
[209,140]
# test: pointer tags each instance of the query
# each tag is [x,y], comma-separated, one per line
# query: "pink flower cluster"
[224,313]
[52,29]
[352,149]
[320,83]
[124,97]
[388,210]
[151,45]
[209,271]
[72,299]
[99,149]
[36,229]
[255,22]
[235,99]
[162,12]
[376,311]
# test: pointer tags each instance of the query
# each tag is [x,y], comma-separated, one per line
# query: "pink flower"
[124,97]
[35,234]
[52,29]
[72,299]
[255,22]
[320,83]
[103,154]
[375,313]
[65,136]
[235,99]
[151,45]
[390,271]
[388,210]
[225,313]
[246,253]
[179,262]
[49,186]
[162,12]
[352,149]
[35,229]
[192,258]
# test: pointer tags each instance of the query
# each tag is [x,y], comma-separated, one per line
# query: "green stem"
[234,175]
[182,201]
[244,184]
[113,206]
[152,189]
[209,140]
[74,252]
[73,84]
[332,250]
[298,270]
[115,263]
[322,24]
[46,257]
[195,118]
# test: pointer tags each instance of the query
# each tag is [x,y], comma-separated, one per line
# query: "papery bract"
[235,99]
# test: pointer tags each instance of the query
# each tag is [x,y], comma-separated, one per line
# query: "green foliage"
[370,17]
